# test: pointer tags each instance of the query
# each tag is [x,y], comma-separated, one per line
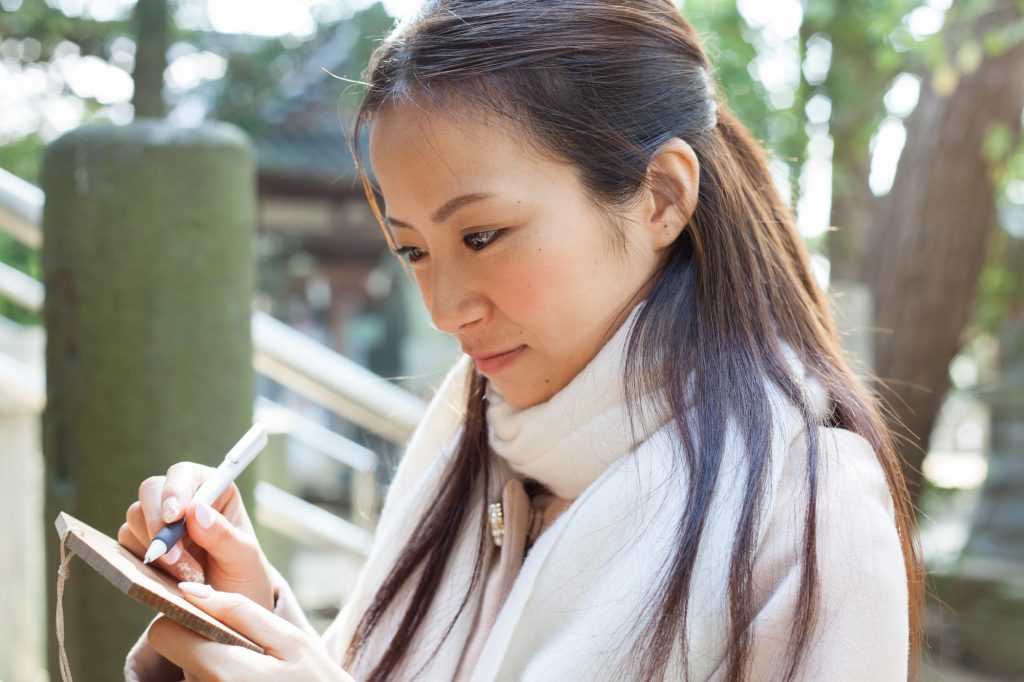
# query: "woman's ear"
[673,181]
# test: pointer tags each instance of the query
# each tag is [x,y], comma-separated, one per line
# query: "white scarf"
[568,441]
[590,575]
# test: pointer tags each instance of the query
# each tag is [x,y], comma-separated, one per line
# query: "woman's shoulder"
[855,515]
[859,551]
[849,473]
[862,592]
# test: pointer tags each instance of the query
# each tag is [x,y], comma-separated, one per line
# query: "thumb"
[234,551]
[276,636]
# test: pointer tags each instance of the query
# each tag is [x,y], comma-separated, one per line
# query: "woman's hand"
[290,654]
[220,549]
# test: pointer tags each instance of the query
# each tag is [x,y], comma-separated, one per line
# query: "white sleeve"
[144,664]
[862,627]
[286,605]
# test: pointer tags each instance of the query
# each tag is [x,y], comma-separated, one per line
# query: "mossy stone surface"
[149,270]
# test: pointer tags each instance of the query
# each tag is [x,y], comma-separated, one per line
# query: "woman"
[653,460]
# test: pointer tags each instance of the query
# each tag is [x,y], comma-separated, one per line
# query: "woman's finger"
[276,636]
[233,556]
[183,565]
[178,561]
[204,659]
[183,480]
[137,523]
[231,506]
[150,492]
[225,541]
[127,538]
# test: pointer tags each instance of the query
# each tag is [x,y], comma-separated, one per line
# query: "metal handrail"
[311,369]
[20,288]
[295,518]
[21,209]
[22,382]
[307,432]
[275,508]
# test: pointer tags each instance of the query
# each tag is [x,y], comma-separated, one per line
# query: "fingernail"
[171,509]
[196,589]
[204,515]
[190,573]
[173,554]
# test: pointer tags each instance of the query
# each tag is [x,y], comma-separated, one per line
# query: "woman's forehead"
[451,146]
[451,130]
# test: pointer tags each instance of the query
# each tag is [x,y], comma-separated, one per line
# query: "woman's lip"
[492,363]
[480,356]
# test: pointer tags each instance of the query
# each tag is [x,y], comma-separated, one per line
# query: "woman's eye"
[411,253]
[475,241]
[479,240]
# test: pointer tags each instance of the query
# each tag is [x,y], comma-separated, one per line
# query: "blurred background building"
[896,136]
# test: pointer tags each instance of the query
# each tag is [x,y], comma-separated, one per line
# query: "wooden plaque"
[143,583]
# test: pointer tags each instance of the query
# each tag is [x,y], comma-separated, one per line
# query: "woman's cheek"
[526,287]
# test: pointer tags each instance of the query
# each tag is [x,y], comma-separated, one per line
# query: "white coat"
[573,607]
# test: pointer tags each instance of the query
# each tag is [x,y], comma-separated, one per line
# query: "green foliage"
[16,255]
[1000,291]
[870,47]
[996,147]
[22,158]
[1001,285]
[255,77]
[249,84]
[50,26]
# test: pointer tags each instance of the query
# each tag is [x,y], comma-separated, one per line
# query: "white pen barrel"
[237,459]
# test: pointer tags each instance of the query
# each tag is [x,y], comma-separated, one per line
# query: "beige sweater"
[524,518]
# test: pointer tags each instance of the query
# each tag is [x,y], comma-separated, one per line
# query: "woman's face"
[511,257]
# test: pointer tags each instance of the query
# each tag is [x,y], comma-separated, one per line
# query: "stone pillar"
[149,273]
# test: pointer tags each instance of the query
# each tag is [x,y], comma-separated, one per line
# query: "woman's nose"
[455,303]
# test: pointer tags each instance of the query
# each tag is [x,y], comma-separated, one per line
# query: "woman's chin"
[523,395]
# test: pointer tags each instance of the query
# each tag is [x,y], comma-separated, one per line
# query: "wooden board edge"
[97,563]
[191,622]
[143,596]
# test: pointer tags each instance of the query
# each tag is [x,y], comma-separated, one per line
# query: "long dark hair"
[602,85]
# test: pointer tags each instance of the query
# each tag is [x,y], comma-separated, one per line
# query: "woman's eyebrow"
[446,210]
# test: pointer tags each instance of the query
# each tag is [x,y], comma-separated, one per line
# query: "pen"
[238,457]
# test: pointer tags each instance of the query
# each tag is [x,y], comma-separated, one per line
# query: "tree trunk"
[923,261]
[153,26]
[854,208]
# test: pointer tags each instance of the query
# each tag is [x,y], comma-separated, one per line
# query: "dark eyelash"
[406,252]
[493,234]
[409,253]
